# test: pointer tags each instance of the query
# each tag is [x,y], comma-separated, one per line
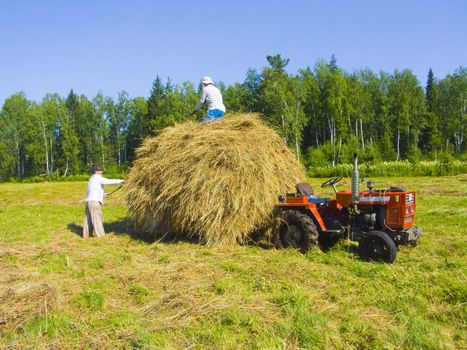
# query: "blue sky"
[53,46]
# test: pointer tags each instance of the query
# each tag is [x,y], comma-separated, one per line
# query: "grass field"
[58,291]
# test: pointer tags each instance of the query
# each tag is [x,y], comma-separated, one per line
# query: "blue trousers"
[213,114]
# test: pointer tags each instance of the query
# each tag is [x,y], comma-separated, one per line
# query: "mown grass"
[59,291]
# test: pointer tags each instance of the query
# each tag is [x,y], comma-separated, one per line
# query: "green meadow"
[58,291]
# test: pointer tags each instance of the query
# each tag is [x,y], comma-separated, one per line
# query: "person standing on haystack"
[213,97]
[94,200]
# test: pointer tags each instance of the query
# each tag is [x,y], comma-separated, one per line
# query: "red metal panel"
[303,202]
[344,198]
[317,215]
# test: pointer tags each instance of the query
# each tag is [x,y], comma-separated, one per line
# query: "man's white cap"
[207,80]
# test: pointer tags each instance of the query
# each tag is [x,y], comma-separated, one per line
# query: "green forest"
[323,113]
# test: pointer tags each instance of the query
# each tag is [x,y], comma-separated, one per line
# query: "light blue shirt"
[96,184]
[213,97]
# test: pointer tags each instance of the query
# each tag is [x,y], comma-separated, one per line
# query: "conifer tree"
[430,139]
[155,104]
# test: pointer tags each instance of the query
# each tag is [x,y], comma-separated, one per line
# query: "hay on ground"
[25,302]
[217,181]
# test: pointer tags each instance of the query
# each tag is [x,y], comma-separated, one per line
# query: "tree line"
[323,113]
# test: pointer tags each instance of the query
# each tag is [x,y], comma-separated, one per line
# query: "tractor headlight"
[281,198]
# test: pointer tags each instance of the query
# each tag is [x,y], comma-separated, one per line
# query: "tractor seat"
[396,189]
[304,189]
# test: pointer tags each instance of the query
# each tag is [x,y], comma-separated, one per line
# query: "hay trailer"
[378,219]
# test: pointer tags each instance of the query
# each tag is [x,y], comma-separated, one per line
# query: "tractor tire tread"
[381,238]
[307,226]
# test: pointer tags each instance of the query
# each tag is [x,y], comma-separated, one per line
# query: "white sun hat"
[207,80]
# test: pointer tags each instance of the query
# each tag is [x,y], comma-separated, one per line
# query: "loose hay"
[217,181]
[25,302]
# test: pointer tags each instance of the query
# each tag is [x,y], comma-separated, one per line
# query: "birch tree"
[15,126]
[407,108]
[282,99]
[452,106]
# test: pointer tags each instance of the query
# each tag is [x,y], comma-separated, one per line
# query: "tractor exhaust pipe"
[355,181]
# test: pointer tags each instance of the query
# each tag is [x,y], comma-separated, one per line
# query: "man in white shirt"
[94,201]
[213,97]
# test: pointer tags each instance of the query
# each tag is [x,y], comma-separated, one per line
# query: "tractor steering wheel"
[331,182]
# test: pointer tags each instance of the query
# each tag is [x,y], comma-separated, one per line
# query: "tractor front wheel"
[297,231]
[378,246]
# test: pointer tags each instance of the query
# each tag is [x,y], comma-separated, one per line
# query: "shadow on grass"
[76,229]
[163,234]
[126,227]
[119,227]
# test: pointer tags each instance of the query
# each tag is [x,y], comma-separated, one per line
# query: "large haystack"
[217,181]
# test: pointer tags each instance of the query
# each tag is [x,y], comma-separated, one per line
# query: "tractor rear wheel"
[298,231]
[378,246]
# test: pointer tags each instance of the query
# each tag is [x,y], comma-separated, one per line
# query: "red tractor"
[378,219]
